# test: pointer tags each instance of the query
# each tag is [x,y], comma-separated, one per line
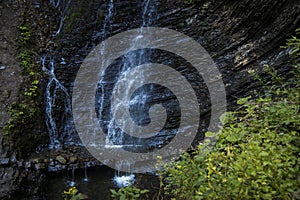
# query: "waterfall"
[57,96]
[63,6]
[57,100]
[107,24]
[73,182]
[85,178]
[58,112]
[115,138]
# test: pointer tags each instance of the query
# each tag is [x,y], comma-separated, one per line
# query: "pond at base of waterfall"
[95,182]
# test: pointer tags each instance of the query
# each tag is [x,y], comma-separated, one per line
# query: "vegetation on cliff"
[257,154]
[23,128]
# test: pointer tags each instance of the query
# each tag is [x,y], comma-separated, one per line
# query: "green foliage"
[257,154]
[24,111]
[294,43]
[25,35]
[277,80]
[19,113]
[27,63]
[26,60]
[128,193]
[73,194]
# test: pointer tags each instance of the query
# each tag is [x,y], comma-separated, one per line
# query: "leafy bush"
[257,154]
[128,193]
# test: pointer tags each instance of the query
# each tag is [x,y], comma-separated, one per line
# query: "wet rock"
[92,163]
[40,166]
[37,160]
[28,164]
[72,159]
[36,4]
[4,161]
[61,159]
[20,163]
[55,167]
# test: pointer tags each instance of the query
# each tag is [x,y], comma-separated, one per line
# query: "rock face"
[10,73]
[10,83]
[239,35]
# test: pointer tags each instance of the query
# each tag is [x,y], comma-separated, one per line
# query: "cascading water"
[63,5]
[57,98]
[86,178]
[58,112]
[115,138]
[58,101]
[107,24]
[54,88]
[72,182]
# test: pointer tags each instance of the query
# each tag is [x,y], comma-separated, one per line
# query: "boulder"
[61,160]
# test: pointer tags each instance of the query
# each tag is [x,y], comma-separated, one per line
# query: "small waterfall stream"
[57,97]
[63,5]
[54,88]
[86,178]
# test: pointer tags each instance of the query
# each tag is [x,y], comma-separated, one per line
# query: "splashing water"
[124,181]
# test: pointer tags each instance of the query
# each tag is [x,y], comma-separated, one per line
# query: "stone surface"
[238,35]
[4,161]
[10,72]
[10,83]
[28,164]
[72,159]
[61,160]
[40,166]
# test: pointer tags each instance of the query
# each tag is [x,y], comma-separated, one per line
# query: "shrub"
[128,193]
[257,154]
